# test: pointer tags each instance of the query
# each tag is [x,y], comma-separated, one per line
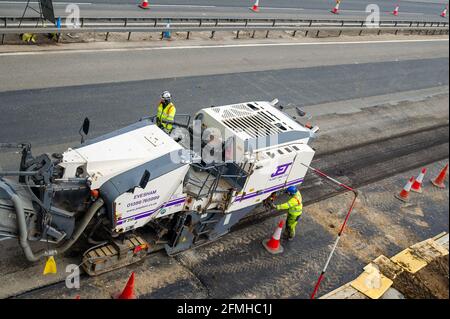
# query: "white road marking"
[181,5]
[274,8]
[194,47]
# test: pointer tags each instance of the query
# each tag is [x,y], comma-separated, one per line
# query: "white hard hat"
[166,95]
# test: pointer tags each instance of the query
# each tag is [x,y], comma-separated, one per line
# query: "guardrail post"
[200,23]
[340,32]
[379,31]
[317,34]
[306,33]
[293,34]
[3,38]
[246,22]
[267,33]
[126,22]
[82,22]
[396,31]
[360,32]
[237,34]
[253,34]
[217,22]
[212,34]
[129,36]
[107,35]
[156,22]
[273,24]
[188,34]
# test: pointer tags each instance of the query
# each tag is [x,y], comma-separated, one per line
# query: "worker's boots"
[288,235]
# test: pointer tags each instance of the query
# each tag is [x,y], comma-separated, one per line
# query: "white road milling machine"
[137,189]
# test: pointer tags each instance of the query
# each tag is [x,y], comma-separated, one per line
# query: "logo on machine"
[281,170]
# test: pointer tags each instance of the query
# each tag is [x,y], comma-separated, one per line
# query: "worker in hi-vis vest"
[166,112]
[294,206]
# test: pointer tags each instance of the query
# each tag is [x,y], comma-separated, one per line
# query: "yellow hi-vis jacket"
[294,205]
[166,114]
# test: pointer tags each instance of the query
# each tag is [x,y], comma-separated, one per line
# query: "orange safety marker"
[335,10]
[144,5]
[128,291]
[255,6]
[404,194]
[417,185]
[395,12]
[439,180]
[273,244]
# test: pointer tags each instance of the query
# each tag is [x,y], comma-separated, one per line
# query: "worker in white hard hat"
[166,112]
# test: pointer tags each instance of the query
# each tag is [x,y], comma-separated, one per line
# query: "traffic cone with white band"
[255,7]
[439,181]
[404,194]
[144,4]
[417,185]
[273,244]
[444,12]
[335,10]
[395,12]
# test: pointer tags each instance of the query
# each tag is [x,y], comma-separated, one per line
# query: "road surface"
[349,9]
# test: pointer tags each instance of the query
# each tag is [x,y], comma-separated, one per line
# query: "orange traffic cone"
[335,10]
[144,5]
[439,181]
[395,12]
[404,194]
[255,7]
[128,291]
[417,185]
[444,12]
[273,244]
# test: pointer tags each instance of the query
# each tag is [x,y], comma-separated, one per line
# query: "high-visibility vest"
[166,113]
[294,205]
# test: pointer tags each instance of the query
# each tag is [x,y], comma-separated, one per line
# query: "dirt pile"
[431,282]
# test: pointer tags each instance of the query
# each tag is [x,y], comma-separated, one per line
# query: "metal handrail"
[11,22]
[108,25]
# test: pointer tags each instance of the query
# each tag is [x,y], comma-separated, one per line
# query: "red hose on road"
[322,174]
